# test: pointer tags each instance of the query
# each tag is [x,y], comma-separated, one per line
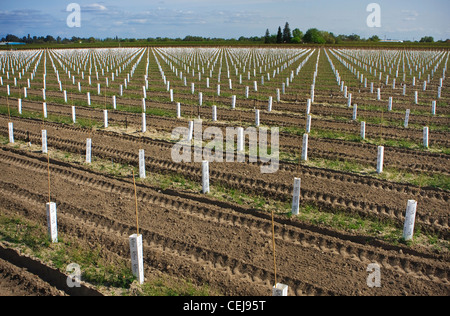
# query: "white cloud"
[410,15]
[139,21]
[94,7]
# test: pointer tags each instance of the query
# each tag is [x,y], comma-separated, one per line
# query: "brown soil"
[189,235]
[323,187]
[18,282]
[224,245]
[321,111]
[359,152]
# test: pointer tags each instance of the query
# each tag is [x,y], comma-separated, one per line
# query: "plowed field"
[350,216]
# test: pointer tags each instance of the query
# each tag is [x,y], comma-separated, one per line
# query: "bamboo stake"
[48,166]
[136,202]
[9,111]
[48,173]
[381,125]
[274,253]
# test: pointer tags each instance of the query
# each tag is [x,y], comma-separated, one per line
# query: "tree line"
[312,36]
[80,40]
[315,36]
[44,39]
[283,36]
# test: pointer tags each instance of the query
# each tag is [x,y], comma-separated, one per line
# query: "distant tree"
[12,38]
[190,38]
[374,38]
[297,34]
[279,36]
[273,39]
[267,37]
[427,39]
[287,36]
[328,37]
[354,38]
[313,36]
[341,38]
[49,39]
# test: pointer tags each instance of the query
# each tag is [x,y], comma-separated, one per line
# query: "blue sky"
[400,19]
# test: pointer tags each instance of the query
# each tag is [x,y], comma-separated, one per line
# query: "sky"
[400,19]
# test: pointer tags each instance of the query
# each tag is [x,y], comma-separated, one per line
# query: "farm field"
[222,243]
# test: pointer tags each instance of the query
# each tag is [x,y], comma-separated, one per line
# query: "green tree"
[313,36]
[328,37]
[267,37]
[287,36]
[279,36]
[427,39]
[340,39]
[12,38]
[49,39]
[297,34]
[354,38]
[190,38]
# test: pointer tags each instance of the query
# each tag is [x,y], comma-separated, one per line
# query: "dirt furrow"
[359,152]
[288,120]
[15,281]
[257,221]
[240,267]
[325,192]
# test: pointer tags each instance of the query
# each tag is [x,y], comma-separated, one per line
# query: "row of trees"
[312,36]
[315,36]
[75,40]
[45,40]
[283,36]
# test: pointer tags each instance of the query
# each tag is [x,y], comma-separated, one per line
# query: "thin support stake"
[136,202]
[9,111]
[48,172]
[274,253]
